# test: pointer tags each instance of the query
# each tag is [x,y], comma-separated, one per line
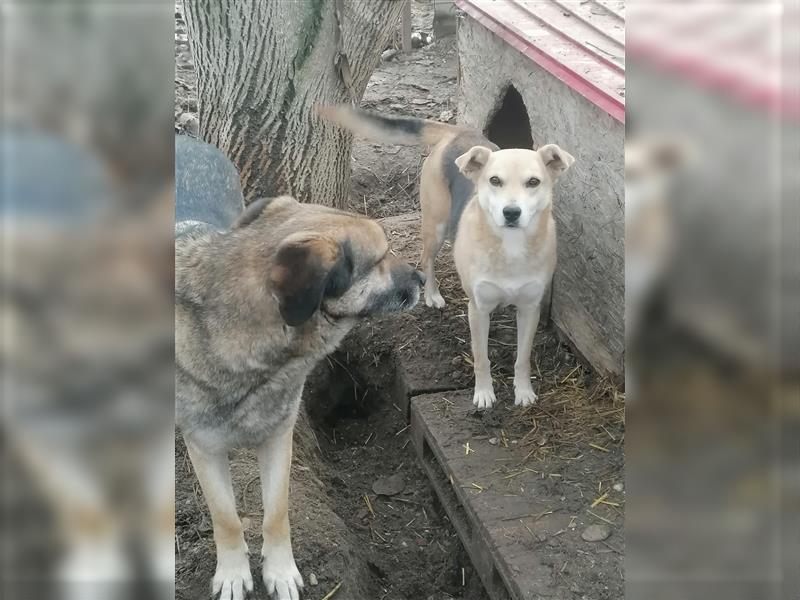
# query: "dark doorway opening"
[509,126]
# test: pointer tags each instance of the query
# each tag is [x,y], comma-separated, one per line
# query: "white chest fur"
[494,292]
[512,275]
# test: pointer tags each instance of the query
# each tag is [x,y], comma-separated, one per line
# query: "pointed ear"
[251,212]
[555,159]
[254,210]
[472,162]
[309,267]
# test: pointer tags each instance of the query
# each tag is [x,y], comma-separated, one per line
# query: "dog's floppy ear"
[309,267]
[472,162]
[555,159]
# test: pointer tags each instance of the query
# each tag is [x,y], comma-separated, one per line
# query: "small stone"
[389,486]
[494,441]
[388,54]
[419,101]
[188,123]
[514,442]
[247,523]
[445,116]
[596,533]
[618,487]
[312,579]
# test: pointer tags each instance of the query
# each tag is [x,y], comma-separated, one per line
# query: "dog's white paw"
[434,299]
[283,584]
[281,576]
[484,397]
[232,579]
[524,395]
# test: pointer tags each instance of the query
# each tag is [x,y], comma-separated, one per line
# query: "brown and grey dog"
[259,300]
[496,204]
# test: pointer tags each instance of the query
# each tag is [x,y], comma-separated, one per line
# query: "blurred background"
[87,319]
[712,246]
[713,109]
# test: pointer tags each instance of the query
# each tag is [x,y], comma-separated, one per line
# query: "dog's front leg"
[281,576]
[479,317]
[232,577]
[527,321]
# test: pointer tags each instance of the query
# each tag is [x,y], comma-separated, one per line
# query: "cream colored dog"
[505,251]
[497,206]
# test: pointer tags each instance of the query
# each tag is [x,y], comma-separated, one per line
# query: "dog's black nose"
[512,213]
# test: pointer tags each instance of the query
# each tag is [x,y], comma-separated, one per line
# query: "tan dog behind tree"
[497,206]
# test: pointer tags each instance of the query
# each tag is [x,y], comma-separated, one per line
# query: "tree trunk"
[261,67]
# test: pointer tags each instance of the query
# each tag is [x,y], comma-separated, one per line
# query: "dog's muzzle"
[406,282]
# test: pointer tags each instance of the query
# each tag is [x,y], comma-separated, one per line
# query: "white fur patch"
[503,291]
[514,245]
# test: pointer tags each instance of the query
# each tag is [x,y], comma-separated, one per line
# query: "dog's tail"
[406,131]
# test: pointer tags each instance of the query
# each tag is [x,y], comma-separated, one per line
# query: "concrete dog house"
[538,72]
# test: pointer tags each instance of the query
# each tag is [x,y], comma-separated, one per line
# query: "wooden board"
[519,526]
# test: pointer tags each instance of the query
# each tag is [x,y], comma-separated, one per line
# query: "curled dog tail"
[406,131]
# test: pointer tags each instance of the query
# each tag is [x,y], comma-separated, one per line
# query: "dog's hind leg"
[281,576]
[232,577]
[435,202]
[431,244]
[527,321]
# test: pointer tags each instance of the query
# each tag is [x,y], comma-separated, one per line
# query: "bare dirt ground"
[403,547]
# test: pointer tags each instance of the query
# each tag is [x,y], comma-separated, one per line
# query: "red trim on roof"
[610,102]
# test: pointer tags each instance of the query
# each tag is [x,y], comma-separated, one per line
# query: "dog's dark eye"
[533,182]
[495,180]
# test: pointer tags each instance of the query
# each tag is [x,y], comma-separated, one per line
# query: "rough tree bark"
[262,65]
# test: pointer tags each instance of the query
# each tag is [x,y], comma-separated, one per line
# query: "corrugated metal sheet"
[581,44]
